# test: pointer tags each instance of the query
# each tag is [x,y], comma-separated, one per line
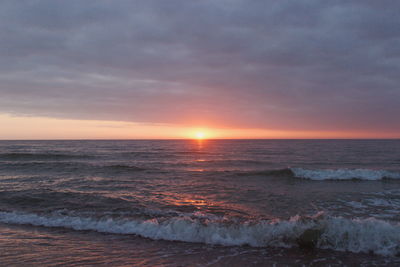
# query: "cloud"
[317,65]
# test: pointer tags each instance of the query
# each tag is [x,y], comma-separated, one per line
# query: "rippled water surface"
[209,202]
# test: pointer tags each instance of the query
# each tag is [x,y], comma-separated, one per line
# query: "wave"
[40,156]
[122,167]
[45,199]
[337,233]
[287,172]
[344,174]
[68,165]
[226,164]
[43,164]
[327,174]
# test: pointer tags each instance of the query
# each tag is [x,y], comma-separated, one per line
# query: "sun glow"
[200,135]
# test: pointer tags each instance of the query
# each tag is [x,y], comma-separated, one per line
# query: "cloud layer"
[295,65]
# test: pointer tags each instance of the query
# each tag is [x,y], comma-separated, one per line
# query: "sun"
[200,135]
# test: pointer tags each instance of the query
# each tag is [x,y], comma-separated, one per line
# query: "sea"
[200,203]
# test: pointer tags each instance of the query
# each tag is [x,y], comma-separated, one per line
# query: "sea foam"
[337,233]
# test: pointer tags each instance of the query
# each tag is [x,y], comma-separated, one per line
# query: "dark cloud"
[318,65]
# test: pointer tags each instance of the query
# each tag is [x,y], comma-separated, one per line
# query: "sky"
[229,68]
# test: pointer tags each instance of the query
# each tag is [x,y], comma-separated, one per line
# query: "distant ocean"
[200,203]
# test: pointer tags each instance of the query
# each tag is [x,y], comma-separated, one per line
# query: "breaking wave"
[344,174]
[327,174]
[337,233]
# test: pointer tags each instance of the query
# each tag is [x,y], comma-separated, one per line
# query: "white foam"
[357,235]
[344,174]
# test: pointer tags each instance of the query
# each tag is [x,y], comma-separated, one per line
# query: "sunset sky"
[226,68]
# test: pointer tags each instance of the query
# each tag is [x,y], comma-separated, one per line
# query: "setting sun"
[200,135]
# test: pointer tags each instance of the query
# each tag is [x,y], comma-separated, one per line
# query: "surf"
[336,233]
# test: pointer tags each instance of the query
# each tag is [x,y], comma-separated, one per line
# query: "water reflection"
[200,144]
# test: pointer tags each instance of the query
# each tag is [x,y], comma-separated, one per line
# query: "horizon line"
[205,139]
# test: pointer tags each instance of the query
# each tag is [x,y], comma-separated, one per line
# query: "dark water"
[200,203]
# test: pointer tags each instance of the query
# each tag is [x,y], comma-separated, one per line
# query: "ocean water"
[200,203]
